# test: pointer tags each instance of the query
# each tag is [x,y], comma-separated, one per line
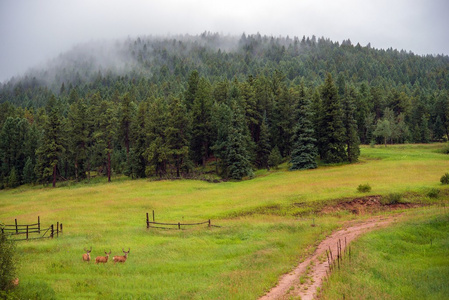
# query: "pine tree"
[351,137]
[28,171]
[332,140]
[221,122]
[156,152]
[13,179]
[304,150]
[51,147]
[177,135]
[79,133]
[192,87]
[263,145]
[138,161]
[275,158]
[201,120]
[126,115]
[238,158]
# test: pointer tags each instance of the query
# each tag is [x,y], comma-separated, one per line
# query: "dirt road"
[309,274]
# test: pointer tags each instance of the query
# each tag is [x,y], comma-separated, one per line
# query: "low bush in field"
[364,188]
[445,178]
[433,193]
[393,198]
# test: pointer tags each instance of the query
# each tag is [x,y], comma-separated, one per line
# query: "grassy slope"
[240,260]
[407,261]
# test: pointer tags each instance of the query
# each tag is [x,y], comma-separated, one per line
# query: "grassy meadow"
[406,261]
[265,227]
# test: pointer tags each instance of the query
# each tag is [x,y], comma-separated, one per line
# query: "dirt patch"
[368,204]
[304,280]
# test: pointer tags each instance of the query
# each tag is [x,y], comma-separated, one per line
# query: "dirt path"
[315,267]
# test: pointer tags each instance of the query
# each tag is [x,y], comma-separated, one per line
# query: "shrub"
[394,198]
[7,268]
[445,179]
[364,188]
[433,193]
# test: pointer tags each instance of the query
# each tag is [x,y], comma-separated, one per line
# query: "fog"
[35,32]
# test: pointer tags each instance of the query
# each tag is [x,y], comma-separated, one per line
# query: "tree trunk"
[54,175]
[109,161]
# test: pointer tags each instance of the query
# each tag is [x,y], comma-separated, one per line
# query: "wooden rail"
[151,224]
[29,229]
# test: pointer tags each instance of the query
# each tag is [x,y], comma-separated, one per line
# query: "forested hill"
[164,106]
[166,64]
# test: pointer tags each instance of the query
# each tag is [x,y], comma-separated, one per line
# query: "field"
[265,227]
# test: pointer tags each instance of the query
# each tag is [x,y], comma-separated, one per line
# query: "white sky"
[34,31]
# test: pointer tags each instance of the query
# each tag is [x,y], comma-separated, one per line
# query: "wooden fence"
[179,225]
[31,231]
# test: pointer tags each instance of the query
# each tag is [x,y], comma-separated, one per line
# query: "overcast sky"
[34,31]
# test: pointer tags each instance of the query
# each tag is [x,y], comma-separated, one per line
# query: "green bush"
[445,179]
[364,188]
[7,266]
[394,198]
[433,193]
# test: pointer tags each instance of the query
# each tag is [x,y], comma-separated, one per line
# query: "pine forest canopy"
[162,106]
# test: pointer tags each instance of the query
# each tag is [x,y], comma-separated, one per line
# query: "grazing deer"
[86,256]
[103,259]
[123,258]
[15,282]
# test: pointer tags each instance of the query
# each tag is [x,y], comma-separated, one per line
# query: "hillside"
[188,105]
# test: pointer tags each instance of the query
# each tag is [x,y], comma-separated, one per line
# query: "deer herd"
[104,259]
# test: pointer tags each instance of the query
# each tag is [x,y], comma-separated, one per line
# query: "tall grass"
[406,261]
[262,236]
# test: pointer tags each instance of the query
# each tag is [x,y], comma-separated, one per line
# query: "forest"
[215,105]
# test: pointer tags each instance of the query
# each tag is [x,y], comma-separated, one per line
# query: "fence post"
[209,222]
[57,229]
[61,227]
[27,232]
[52,231]
[17,230]
[179,225]
[38,225]
[148,222]
[153,216]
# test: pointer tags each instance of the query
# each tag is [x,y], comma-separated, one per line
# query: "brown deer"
[123,258]
[86,256]
[103,259]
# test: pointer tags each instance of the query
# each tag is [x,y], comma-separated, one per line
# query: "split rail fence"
[179,225]
[20,232]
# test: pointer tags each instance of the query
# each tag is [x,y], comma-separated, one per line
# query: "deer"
[123,258]
[86,256]
[103,259]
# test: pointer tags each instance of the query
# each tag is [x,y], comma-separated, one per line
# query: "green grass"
[264,231]
[406,261]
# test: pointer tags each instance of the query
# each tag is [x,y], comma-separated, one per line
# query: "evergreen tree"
[221,122]
[79,134]
[156,152]
[192,87]
[13,179]
[238,158]
[263,145]
[352,140]
[304,150]
[51,147]
[332,140]
[275,158]
[126,115]
[138,161]
[177,135]
[201,120]
[28,171]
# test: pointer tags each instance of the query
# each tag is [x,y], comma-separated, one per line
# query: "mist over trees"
[184,105]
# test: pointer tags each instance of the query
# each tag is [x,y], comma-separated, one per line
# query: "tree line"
[262,110]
